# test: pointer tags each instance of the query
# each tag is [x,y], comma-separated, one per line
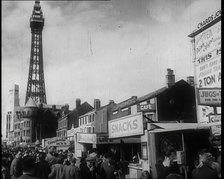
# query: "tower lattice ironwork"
[36,84]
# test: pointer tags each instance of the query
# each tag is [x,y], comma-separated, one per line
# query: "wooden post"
[152,152]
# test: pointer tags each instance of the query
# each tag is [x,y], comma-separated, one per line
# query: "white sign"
[208,57]
[209,19]
[86,138]
[209,96]
[126,126]
[147,107]
[215,118]
[216,130]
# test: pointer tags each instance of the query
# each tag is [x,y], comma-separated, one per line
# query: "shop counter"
[135,170]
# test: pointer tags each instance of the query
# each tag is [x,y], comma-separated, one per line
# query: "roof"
[31,103]
[126,103]
[152,94]
[168,127]
[161,90]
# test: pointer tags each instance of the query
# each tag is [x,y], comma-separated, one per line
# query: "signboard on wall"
[126,126]
[215,118]
[146,108]
[55,141]
[208,57]
[209,96]
[86,138]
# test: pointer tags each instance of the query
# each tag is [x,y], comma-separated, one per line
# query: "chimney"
[190,80]
[170,78]
[78,103]
[54,107]
[111,101]
[96,104]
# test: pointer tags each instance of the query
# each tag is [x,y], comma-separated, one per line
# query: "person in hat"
[84,169]
[71,171]
[28,165]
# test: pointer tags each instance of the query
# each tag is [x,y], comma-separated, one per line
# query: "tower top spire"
[37,1]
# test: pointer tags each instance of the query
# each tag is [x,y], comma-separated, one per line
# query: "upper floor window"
[124,109]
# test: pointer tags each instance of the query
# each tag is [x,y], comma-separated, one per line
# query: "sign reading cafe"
[126,126]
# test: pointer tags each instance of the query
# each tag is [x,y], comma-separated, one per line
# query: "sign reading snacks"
[209,96]
[126,126]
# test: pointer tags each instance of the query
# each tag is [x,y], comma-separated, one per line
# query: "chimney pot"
[78,103]
[96,104]
[170,78]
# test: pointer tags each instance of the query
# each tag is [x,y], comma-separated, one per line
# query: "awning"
[166,127]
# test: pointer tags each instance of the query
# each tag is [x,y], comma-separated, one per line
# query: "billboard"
[208,57]
[207,60]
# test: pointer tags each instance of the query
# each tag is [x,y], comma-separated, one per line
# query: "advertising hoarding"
[208,57]
[126,126]
[207,60]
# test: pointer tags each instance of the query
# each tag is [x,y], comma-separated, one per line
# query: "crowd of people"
[26,163]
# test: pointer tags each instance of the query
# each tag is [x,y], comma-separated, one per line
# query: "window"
[124,109]
[114,112]
[88,129]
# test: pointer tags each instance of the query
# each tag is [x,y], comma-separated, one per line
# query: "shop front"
[187,139]
[84,142]
[129,130]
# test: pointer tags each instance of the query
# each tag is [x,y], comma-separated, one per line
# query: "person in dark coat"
[57,170]
[16,166]
[71,171]
[84,170]
[5,174]
[108,169]
[168,165]
[28,165]
[51,159]
[205,171]
[42,169]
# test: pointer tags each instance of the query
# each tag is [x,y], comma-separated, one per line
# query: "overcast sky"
[101,49]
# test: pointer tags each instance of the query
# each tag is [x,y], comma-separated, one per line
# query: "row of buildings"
[145,126]
[37,121]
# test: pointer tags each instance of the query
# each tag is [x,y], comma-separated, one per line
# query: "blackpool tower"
[36,84]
